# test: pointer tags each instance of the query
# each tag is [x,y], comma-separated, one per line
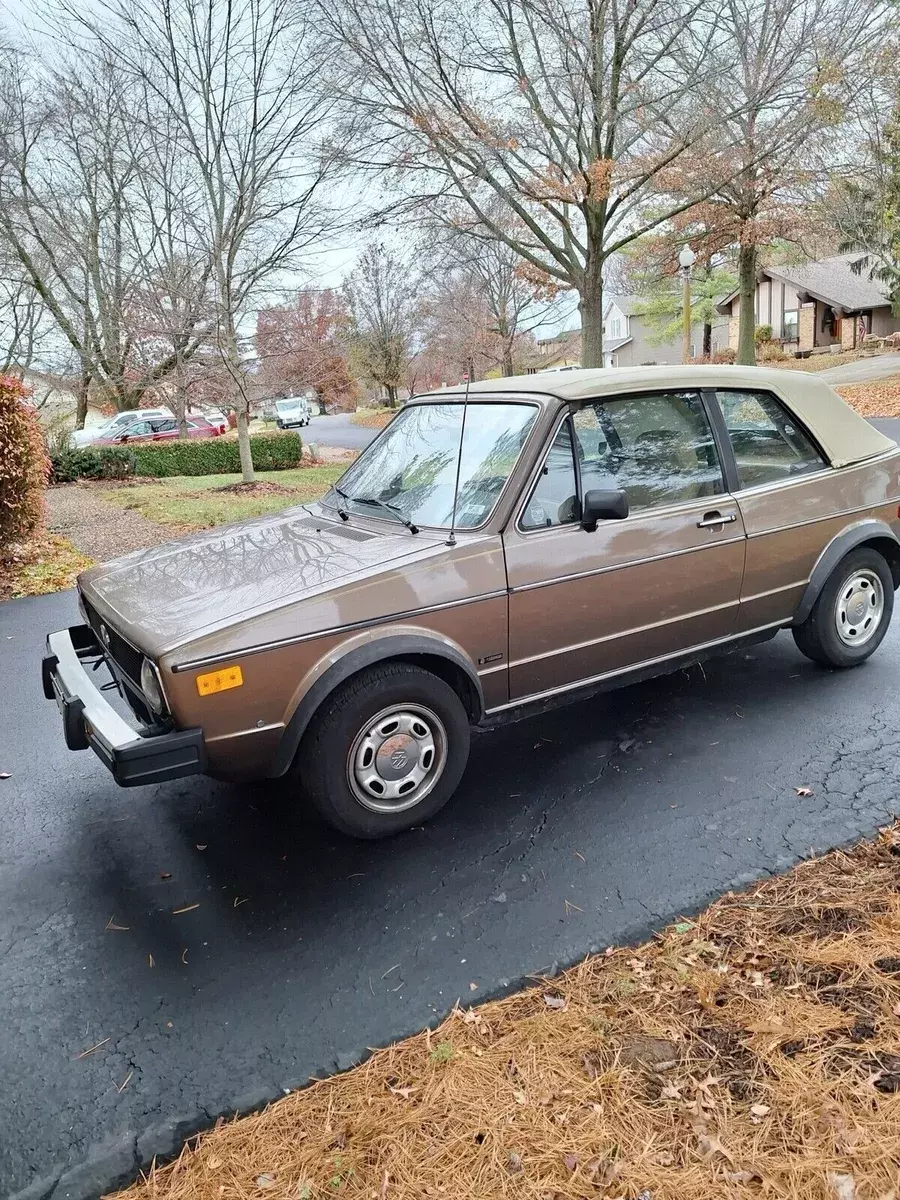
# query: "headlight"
[150,686]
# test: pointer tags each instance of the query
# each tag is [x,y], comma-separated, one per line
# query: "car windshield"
[289,405]
[412,465]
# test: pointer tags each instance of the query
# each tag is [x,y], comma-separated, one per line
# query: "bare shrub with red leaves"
[24,465]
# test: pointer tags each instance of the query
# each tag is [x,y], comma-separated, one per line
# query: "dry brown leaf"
[520,1097]
[405,1092]
[514,1165]
[265,1181]
[804,791]
[213,1163]
[554,1001]
[760,1110]
[571,1161]
[709,1146]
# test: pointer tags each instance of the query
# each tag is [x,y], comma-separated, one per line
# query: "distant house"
[816,306]
[629,338]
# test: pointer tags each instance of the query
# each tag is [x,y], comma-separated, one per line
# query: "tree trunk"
[746,351]
[707,340]
[391,390]
[508,368]
[243,432]
[81,399]
[180,396]
[590,306]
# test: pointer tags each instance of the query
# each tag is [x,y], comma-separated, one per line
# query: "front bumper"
[90,721]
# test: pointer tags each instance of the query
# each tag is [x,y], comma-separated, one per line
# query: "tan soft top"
[843,434]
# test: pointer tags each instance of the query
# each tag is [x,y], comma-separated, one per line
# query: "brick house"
[816,306]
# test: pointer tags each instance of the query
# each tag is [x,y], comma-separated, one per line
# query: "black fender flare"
[848,539]
[392,646]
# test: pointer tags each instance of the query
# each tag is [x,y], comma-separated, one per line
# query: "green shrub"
[91,462]
[23,464]
[763,334]
[216,456]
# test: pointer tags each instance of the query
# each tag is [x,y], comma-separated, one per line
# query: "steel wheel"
[397,758]
[859,608]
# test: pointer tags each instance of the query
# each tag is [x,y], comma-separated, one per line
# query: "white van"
[292,411]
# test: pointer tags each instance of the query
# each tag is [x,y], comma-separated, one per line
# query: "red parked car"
[159,429]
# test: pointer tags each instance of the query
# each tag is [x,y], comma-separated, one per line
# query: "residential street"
[863,370]
[337,430]
[589,825]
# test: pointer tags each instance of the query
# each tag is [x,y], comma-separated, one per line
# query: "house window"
[829,321]
[790,326]
[615,327]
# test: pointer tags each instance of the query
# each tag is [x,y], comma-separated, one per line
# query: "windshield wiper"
[342,512]
[391,508]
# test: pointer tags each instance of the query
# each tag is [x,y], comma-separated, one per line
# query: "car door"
[164,429]
[786,493]
[584,605]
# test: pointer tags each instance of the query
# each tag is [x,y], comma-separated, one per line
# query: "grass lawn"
[192,501]
[751,1052]
[46,563]
[373,418]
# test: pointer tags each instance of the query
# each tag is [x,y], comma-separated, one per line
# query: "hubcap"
[397,758]
[859,608]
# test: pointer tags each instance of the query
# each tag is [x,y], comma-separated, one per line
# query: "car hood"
[167,596]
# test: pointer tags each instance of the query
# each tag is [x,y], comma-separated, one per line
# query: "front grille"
[123,654]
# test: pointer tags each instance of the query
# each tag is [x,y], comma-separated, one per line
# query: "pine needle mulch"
[754,1051]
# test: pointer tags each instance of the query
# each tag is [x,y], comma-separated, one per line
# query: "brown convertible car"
[537,536]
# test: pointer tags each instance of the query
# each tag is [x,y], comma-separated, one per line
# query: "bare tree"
[77,217]
[385,301]
[535,122]
[800,63]
[241,84]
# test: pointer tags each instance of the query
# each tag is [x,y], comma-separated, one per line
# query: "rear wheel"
[385,752]
[852,614]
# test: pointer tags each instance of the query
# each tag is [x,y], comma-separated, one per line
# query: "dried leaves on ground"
[45,563]
[752,1052]
[373,418]
[878,399]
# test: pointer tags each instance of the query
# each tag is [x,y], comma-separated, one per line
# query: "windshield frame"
[524,401]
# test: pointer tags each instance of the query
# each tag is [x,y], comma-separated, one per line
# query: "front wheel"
[852,614]
[385,752]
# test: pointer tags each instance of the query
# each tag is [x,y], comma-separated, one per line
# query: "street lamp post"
[686,259]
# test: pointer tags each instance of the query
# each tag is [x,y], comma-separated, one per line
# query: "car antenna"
[451,540]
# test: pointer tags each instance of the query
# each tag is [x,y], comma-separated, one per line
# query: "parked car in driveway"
[158,429]
[531,540]
[117,424]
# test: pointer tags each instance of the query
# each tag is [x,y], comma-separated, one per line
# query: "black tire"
[818,637]
[341,734]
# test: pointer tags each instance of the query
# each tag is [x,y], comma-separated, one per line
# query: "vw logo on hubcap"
[398,759]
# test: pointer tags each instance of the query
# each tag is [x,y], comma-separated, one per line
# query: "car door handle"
[716,518]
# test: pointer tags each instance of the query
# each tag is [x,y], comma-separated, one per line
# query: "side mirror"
[603,506]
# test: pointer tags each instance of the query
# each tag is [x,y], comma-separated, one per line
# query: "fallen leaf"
[554,1001]
[304,1189]
[187,908]
[804,791]
[184,956]
[767,1027]
[760,1110]
[743,1176]
[520,1097]
[602,1171]
[670,1092]
[405,1092]
[202,846]
[571,1161]
[165,874]
[5,775]
[150,960]
[473,987]
[515,1162]
[110,924]
[896,1010]
[382,1193]
[709,1145]
[213,1164]
[265,1181]
[843,1186]
[683,926]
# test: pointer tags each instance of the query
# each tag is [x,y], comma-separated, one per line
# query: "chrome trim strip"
[493,670]
[227,737]
[648,662]
[614,637]
[195,663]
[774,591]
[621,566]
[846,512]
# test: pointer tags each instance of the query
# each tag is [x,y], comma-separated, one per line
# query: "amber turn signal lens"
[219,681]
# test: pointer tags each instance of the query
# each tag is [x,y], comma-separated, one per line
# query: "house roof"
[843,434]
[830,280]
[629,305]
[612,344]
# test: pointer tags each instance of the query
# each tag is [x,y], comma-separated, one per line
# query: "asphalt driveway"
[589,825]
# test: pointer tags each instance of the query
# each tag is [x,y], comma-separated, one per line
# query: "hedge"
[24,464]
[193,456]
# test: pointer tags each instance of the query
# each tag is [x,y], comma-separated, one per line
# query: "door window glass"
[554,500]
[657,447]
[139,429]
[768,443]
